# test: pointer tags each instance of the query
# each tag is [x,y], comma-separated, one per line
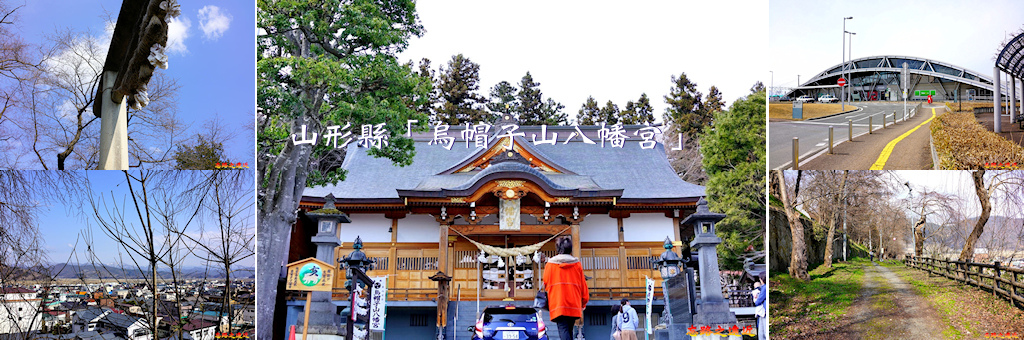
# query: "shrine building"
[619,203]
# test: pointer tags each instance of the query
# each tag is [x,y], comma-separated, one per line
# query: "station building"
[879,78]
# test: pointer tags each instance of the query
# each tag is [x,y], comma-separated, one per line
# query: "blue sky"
[62,225]
[214,67]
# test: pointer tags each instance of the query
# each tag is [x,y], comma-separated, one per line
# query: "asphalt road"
[813,134]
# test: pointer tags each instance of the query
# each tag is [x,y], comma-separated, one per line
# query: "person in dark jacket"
[616,322]
[566,286]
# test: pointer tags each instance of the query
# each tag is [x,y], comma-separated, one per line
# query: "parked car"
[827,98]
[805,99]
[510,322]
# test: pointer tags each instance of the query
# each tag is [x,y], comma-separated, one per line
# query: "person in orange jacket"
[567,288]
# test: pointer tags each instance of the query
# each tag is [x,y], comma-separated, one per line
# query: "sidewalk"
[911,152]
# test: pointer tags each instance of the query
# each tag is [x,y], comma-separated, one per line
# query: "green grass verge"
[823,299]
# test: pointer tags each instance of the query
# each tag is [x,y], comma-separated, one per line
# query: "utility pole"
[842,89]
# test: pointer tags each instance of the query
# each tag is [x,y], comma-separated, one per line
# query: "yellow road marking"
[880,163]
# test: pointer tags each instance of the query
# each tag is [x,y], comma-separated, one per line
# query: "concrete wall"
[418,228]
[369,228]
[599,228]
[647,228]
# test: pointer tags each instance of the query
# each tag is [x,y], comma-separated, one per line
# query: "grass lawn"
[811,110]
[803,307]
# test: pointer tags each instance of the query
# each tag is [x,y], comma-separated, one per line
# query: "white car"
[828,98]
[805,99]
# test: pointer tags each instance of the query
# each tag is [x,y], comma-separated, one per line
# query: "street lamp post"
[849,73]
[842,89]
[771,85]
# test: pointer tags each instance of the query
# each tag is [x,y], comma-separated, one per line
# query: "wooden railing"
[612,293]
[1002,281]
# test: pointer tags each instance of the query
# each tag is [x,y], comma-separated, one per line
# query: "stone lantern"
[327,220]
[713,309]
[322,310]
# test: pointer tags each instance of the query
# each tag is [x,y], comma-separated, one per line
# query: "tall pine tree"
[644,110]
[609,113]
[713,102]
[628,115]
[590,113]
[533,109]
[552,113]
[458,85]
[503,99]
[685,111]
[428,106]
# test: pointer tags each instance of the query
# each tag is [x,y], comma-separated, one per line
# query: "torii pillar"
[136,49]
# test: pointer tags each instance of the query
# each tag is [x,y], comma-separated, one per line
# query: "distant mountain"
[1001,232]
[102,271]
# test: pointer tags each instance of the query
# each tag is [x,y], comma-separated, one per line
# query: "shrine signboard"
[310,275]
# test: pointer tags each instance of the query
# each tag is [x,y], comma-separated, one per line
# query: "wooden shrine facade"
[617,204]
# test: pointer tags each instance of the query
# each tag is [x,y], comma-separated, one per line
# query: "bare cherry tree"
[147,226]
[230,241]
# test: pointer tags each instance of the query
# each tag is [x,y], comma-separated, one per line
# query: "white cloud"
[177,32]
[213,22]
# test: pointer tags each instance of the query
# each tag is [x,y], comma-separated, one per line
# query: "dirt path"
[889,308]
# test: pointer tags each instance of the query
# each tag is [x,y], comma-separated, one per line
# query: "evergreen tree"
[685,111]
[552,113]
[431,99]
[533,109]
[758,87]
[529,98]
[609,114]
[644,110]
[203,154]
[734,160]
[355,79]
[713,102]
[628,115]
[589,113]
[503,99]
[458,85]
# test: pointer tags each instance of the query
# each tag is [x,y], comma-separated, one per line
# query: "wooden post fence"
[1004,282]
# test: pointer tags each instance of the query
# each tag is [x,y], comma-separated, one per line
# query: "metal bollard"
[885,120]
[850,129]
[796,153]
[830,139]
[870,125]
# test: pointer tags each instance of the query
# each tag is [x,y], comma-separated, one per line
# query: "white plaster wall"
[599,228]
[418,228]
[369,228]
[651,227]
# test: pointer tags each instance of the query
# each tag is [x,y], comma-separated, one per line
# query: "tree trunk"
[798,258]
[919,235]
[986,208]
[835,220]
[276,218]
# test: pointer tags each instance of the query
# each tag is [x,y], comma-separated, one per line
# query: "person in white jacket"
[628,321]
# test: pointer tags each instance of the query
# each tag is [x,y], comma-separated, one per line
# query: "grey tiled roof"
[639,173]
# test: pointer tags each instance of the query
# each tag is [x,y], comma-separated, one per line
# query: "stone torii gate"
[136,49]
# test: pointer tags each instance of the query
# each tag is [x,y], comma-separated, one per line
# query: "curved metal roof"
[1011,58]
[922,66]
